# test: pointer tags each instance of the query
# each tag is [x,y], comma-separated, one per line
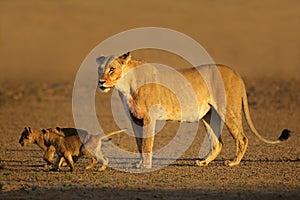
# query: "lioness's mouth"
[104,89]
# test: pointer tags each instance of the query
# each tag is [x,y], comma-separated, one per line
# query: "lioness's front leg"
[138,133]
[147,146]
[135,110]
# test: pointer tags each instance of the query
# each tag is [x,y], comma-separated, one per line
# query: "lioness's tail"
[284,135]
[112,133]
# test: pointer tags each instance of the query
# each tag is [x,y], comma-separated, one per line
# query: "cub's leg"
[49,156]
[103,159]
[234,124]
[217,145]
[93,162]
[68,158]
[57,163]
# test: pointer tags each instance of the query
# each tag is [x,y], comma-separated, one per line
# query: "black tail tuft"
[284,135]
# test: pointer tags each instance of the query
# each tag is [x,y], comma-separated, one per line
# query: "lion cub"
[30,135]
[75,146]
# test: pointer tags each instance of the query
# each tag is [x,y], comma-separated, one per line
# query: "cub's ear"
[44,131]
[28,129]
[58,128]
[125,58]
[100,60]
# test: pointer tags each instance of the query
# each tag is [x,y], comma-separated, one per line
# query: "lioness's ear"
[44,131]
[100,60]
[125,58]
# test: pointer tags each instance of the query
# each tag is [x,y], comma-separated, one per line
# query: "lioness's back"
[217,76]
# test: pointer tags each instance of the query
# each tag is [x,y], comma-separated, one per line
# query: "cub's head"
[27,136]
[111,69]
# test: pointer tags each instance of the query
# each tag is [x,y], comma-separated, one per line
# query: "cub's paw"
[48,166]
[54,169]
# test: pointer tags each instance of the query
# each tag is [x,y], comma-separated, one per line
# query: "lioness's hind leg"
[234,124]
[217,145]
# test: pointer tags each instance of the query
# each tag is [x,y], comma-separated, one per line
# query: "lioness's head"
[26,136]
[111,69]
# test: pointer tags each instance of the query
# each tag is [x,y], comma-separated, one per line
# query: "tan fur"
[75,146]
[30,135]
[36,137]
[139,101]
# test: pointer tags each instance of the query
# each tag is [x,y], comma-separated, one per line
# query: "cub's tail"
[112,133]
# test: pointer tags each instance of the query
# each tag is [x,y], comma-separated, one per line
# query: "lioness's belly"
[178,98]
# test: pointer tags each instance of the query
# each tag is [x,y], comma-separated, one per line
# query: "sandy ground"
[42,44]
[267,171]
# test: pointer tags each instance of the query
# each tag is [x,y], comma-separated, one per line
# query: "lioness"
[115,72]
[30,135]
[75,146]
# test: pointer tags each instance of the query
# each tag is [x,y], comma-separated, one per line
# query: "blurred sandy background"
[50,39]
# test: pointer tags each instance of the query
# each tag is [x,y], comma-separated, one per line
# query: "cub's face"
[26,137]
[110,70]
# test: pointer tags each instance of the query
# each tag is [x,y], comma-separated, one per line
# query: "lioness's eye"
[111,69]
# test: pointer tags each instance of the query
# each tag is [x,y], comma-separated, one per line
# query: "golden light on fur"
[113,72]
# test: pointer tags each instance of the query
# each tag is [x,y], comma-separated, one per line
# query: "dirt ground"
[267,171]
[42,44]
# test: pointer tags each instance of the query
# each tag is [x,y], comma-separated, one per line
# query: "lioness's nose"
[101,82]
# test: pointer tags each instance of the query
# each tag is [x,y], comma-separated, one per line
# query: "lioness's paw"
[230,163]
[137,165]
[141,165]
[201,163]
